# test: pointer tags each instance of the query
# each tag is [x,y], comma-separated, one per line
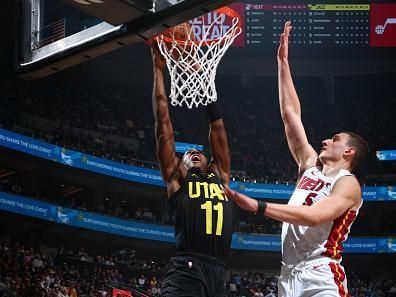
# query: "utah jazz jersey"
[203,215]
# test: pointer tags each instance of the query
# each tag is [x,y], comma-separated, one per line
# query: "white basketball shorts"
[320,277]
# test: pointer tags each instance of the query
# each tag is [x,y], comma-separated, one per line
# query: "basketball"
[181,32]
[174,38]
[178,43]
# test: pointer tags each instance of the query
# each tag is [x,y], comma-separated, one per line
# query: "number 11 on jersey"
[207,206]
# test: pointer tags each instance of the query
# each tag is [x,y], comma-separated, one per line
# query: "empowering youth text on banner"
[75,159]
[84,219]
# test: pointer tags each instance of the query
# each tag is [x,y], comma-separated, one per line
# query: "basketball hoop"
[192,56]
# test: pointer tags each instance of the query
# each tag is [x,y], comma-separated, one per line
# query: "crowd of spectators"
[67,273]
[117,124]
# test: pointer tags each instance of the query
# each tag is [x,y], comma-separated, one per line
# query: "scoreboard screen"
[328,29]
[313,24]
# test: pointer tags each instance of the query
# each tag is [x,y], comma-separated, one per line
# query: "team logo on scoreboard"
[383,25]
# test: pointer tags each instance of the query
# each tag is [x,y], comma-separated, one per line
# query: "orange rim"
[223,10]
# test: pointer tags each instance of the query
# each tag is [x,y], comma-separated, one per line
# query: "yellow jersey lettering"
[206,190]
[197,193]
[215,191]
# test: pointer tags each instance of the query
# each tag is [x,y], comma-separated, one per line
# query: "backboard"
[56,34]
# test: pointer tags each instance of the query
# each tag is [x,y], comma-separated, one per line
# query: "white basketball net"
[192,64]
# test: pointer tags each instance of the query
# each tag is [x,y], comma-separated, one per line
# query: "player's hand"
[283,49]
[241,200]
[158,59]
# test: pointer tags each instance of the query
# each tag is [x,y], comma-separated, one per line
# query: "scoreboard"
[313,24]
[329,25]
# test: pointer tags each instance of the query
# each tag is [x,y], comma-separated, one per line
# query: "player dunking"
[323,206]
[203,213]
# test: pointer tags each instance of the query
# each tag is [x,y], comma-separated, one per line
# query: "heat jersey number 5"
[207,206]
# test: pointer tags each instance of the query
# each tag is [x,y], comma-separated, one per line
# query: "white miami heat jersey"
[301,243]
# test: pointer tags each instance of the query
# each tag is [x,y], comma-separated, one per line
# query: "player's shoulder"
[349,180]
[349,185]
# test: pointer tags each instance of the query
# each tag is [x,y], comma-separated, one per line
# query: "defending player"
[324,204]
[203,213]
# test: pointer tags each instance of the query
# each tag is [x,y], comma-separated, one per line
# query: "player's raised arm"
[221,156]
[302,151]
[165,142]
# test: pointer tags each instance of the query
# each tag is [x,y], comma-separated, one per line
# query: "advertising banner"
[75,159]
[129,228]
